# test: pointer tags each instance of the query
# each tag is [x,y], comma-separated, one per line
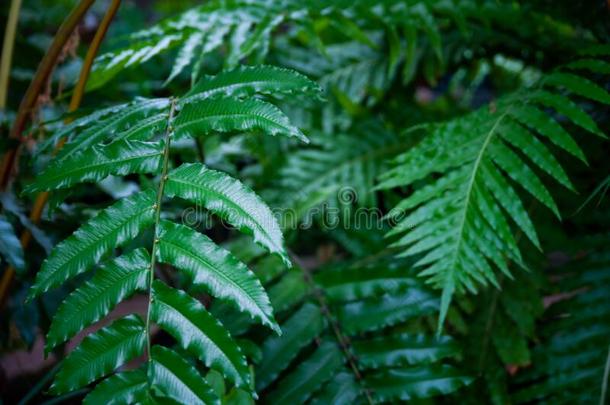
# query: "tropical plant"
[136,138]
[402,237]
[460,223]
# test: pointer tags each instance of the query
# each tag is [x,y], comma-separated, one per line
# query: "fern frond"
[122,388]
[245,27]
[246,81]
[459,221]
[125,141]
[570,361]
[137,120]
[300,329]
[377,351]
[206,116]
[417,382]
[312,373]
[342,163]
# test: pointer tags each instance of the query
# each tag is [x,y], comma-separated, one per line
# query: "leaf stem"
[340,337]
[37,84]
[153,259]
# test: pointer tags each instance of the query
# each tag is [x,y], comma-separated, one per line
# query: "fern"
[346,335]
[570,364]
[245,27]
[338,171]
[125,140]
[348,341]
[459,222]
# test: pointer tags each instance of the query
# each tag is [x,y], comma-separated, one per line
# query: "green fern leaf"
[230,200]
[101,353]
[357,283]
[215,269]
[377,313]
[110,228]
[206,116]
[298,331]
[578,85]
[342,389]
[136,120]
[198,332]
[174,378]
[97,297]
[10,246]
[298,386]
[246,81]
[187,54]
[123,388]
[98,162]
[401,350]
[418,382]
[340,162]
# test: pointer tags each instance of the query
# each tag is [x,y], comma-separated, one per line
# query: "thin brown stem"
[77,96]
[37,84]
[341,338]
[7,50]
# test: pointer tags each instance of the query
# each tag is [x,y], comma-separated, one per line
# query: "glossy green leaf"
[388,310]
[207,116]
[123,388]
[98,162]
[215,269]
[578,85]
[229,199]
[278,351]
[101,353]
[298,386]
[110,228]
[418,382]
[110,285]
[404,349]
[139,117]
[175,378]
[247,81]
[187,320]
[342,389]
[355,283]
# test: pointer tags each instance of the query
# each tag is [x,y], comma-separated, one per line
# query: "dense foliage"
[323,202]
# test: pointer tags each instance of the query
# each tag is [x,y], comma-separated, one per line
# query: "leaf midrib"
[469,190]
